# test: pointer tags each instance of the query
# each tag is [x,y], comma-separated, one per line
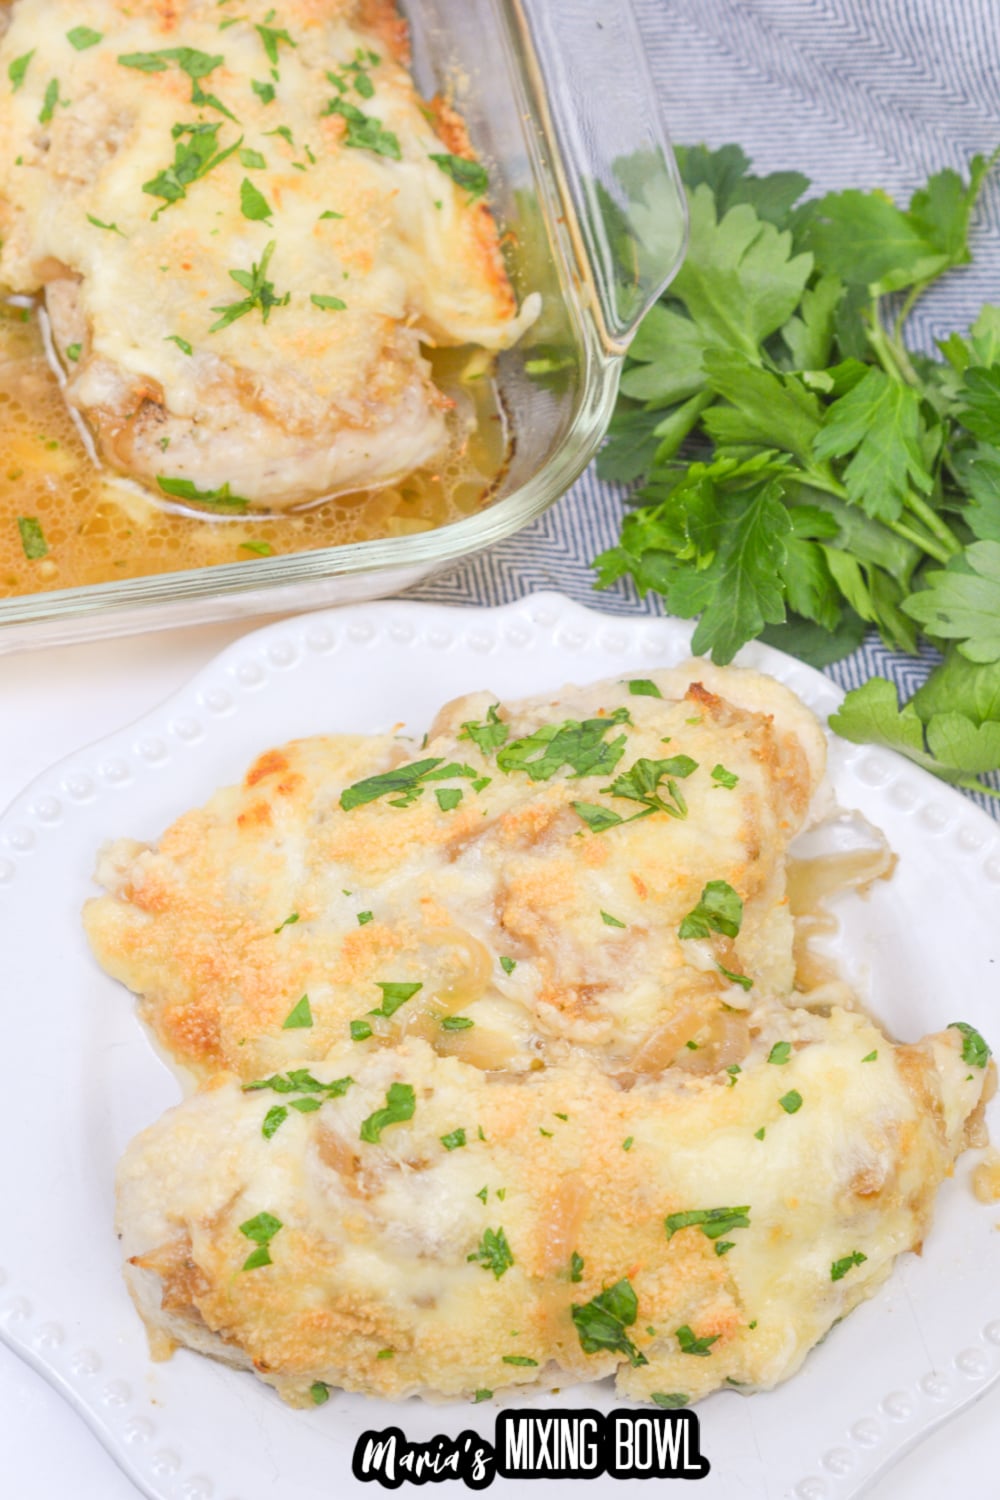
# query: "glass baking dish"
[560,105]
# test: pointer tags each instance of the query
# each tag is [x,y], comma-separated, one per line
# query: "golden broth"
[97,529]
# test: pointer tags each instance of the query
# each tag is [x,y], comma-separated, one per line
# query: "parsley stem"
[935,525]
[892,357]
[941,544]
[922,540]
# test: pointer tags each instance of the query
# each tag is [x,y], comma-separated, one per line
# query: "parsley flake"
[331,304]
[175,338]
[576,1264]
[456,1023]
[780,1052]
[643,687]
[470,175]
[82,37]
[791,1102]
[73,352]
[400,1103]
[974,1049]
[319,1392]
[185,489]
[299,1017]
[288,922]
[840,1268]
[508,964]
[49,103]
[670,1400]
[719,909]
[261,1229]
[264,91]
[260,293]
[17,70]
[253,204]
[724,778]
[520,1359]
[690,1345]
[454,1139]
[713,1222]
[493,1254]
[610,921]
[364,131]
[490,734]
[601,1322]
[871,1057]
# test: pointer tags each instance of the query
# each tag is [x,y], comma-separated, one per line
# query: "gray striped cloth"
[862,93]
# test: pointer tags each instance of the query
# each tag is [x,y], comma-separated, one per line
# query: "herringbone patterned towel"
[851,92]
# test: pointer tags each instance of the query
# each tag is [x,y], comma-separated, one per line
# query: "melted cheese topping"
[291,400]
[504,907]
[377,1281]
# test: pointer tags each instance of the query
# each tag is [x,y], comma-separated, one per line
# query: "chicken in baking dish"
[603,869]
[244,226]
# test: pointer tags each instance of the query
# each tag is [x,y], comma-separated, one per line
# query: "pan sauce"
[99,529]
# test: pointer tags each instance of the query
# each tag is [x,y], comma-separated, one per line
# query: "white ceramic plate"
[80,1077]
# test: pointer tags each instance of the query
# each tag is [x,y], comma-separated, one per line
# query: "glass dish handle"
[628,204]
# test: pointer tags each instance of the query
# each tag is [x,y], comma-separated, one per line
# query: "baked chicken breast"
[245,228]
[604,869]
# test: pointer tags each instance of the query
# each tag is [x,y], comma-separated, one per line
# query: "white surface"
[53,701]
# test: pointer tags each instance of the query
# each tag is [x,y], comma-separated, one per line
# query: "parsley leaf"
[364,131]
[261,1229]
[791,1102]
[493,1253]
[670,1400]
[470,175]
[643,687]
[406,780]
[275,1117]
[963,602]
[299,1017]
[489,735]
[957,749]
[456,1023]
[840,1268]
[253,204]
[82,37]
[186,489]
[780,1052]
[722,777]
[394,994]
[98,224]
[453,1140]
[264,91]
[690,1345]
[713,1222]
[719,909]
[974,1049]
[17,70]
[327,304]
[49,103]
[508,964]
[33,543]
[879,422]
[576,1264]
[193,158]
[400,1103]
[610,921]
[601,1322]
[271,39]
[260,293]
[580,746]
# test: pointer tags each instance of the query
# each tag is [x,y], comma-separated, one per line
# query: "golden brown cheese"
[464,1247]
[160,164]
[490,892]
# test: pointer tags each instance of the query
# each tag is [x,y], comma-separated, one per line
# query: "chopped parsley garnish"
[385,1354]
[319,1392]
[628,1142]
[264,91]
[580,746]
[300,1081]
[284,132]
[275,1117]
[780,1052]
[406,780]
[508,964]
[722,1246]
[299,1017]
[186,489]
[576,1264]
[175,338]
[252,160]
[670,1400]
[871,1056]
[482,1395]
[494,1253]
[601,1322]
[394,994]
[520,1359]
[490,734]
[330,214]
[456,1023]
[733,1070]
[49,103]
[547,1133]
[470,175]
[400,1103]
[974,1049]
[360,1031]
[363,60]
[364,131]
[261,1229]
[483,1194]
[743,980]
[197,65]
[719,909]
[82,37]
[327,304]
[260,293]
[690,1345]
[758,1135]
[725,778]
[253,204]
[454,1139]
[713,1222]
[271,39]
[193,158]
[73,352]
[791,1102]
[288,922]
[641,783]
[364,917]
[840,1268]
[18,69]
[642,687]
[610,921]
[33,543]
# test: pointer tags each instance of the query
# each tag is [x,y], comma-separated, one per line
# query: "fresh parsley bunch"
[831,478]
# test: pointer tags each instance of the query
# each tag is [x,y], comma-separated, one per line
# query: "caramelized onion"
[728,1042]
[660,1046]
[559,1225]
[811,881]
